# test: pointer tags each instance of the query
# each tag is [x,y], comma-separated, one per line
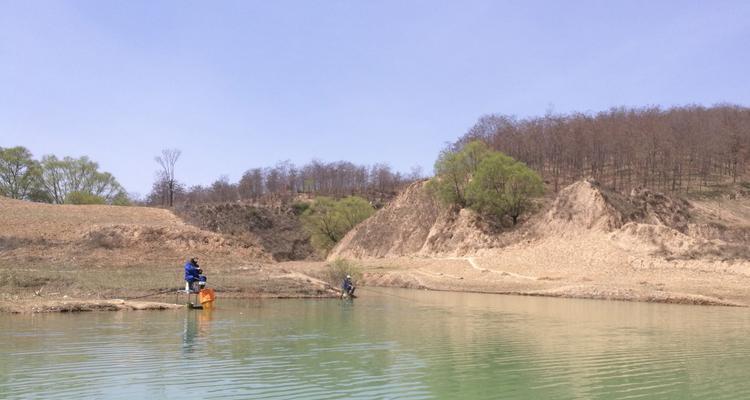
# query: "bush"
[503,186]
[338,269]
[489,182]
[83,198]
[121,199]
[299,207]
[453,171]
[328,220]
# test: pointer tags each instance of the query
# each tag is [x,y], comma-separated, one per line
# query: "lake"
[389,343]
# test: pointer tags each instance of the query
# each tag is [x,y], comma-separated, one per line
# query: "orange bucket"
[206,296]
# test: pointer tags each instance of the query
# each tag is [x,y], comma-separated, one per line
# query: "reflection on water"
[386,344]
[197,324]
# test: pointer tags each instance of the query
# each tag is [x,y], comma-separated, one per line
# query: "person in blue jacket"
[348,286]
[193,274]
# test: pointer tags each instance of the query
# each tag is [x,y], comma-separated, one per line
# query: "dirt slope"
[587,242]
[117,235]
[415,224]
[47,251]
[278,230]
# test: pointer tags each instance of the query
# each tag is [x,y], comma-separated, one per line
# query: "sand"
[586,243]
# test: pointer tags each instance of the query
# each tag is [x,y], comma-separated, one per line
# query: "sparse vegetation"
[339,268]
[328,220]
[279,232]
[83,198]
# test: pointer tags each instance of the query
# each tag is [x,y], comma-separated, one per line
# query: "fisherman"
[348,286]
[193,274]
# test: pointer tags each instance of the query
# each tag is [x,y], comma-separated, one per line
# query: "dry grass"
[102,252]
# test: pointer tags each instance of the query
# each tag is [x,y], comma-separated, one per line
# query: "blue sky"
[242,84]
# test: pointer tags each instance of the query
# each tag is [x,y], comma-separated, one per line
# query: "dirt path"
[475,264]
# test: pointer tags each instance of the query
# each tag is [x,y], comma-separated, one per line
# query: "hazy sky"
[242,84]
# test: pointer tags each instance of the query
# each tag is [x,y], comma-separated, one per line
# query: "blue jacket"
[191,272]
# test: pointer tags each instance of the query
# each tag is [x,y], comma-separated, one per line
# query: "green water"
[386,344]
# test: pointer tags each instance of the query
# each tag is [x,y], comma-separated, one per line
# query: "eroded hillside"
[108,234]
[104,251]
[586,242]
[279,232]
[415,224]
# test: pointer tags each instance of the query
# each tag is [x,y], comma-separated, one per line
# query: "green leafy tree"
[487,191]
[454,169]
[503,186]
[60,178]
[52,179]
[489,182]
[328,220]
[18,172]
[523,185]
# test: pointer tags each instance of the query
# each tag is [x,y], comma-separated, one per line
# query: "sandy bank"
[77,305]
[478,275]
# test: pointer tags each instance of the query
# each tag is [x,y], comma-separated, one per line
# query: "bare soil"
[96,252]
[585,243]
[84,305]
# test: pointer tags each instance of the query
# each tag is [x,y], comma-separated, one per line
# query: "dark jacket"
[192,272]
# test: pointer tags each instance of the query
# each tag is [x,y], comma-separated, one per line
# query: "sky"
[243,84]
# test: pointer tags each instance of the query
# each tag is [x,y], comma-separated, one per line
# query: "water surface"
[389,343]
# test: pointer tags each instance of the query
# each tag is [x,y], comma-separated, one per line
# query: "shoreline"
[662,283]
[36,306]
[654,298]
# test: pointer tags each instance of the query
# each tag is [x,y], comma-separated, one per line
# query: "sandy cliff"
[415,224]
[586,242]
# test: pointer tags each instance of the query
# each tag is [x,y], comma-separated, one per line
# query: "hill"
[105,251]
[585,242]
[277,230]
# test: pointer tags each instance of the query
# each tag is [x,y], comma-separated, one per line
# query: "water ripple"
[416,346]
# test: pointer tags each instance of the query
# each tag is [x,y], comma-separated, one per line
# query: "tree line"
[56,180]
[285,181]
[680,149]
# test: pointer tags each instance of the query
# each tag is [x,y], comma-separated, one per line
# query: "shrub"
[121,199]
[83,198]
[503,186]
[299,207]
[338,269]
[328,220]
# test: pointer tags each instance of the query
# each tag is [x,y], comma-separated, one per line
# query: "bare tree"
[251,184]
[167,161]
[681,149]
